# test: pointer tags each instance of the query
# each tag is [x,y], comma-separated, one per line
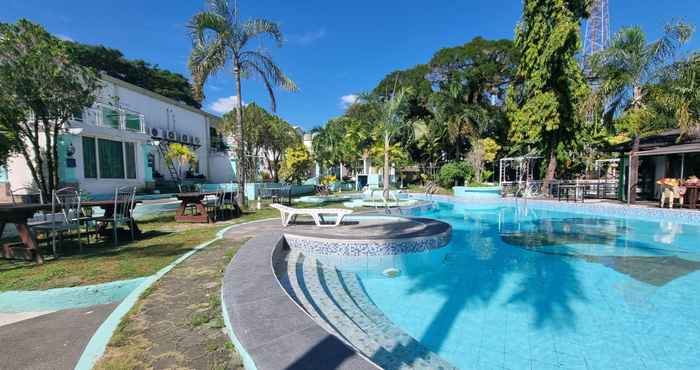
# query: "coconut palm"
[219,39]
[624,69]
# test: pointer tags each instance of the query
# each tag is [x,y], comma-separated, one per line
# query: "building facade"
[121,141]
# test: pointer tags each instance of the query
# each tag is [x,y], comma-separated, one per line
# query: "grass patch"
[162,241]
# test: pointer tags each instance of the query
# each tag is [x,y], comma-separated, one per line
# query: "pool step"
[339,303]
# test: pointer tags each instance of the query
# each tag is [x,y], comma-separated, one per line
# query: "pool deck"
[272,329]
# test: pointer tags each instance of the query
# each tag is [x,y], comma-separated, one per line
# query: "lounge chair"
[289,214]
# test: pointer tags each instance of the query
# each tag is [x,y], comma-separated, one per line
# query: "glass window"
[130,160]
[110,117]
[89,158]
[133,122]
[111,159]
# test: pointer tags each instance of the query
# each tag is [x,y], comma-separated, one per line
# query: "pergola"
[522,166]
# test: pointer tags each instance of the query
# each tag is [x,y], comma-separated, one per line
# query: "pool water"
[541,289]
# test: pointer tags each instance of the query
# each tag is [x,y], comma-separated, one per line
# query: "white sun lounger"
[288,214]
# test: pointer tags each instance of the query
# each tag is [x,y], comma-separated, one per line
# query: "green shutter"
[130,160]
[111,159]
[89,158]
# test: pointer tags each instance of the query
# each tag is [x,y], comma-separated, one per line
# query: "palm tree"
[622,72]
[219,37]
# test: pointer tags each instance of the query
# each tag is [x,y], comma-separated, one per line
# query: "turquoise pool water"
[542,289]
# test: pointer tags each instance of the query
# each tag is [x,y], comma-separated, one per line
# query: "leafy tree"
[181,156]
[548,86]
[483,151]
[296,165]
[138,72]
[455,174]
[391,123]
[219,37]
[10,114]
[44,87]
[624,70]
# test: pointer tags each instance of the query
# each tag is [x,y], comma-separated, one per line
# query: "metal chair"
[65,215]
[229,199]
[213,202]
[124,201]
[29,195]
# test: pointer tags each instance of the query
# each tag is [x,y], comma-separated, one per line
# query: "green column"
[66,171]
[147,169]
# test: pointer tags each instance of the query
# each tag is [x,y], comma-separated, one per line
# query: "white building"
[120,141]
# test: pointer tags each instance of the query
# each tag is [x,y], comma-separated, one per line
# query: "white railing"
[125,118]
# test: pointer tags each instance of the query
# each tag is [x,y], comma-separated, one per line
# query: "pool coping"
[268,327]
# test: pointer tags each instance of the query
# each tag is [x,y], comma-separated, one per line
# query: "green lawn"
[162,241]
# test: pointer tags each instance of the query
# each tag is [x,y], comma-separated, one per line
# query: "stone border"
[98,343]
[267,325]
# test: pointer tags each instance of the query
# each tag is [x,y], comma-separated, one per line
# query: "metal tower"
[597,28]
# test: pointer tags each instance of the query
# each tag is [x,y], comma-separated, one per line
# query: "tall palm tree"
[219,37]
[622,72]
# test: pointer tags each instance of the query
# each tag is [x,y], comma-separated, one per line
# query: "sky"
[334,49]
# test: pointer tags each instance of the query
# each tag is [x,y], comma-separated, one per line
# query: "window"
[89,158]
[78,116]
[110,117]
[133,122]
[130,157]
[111,159]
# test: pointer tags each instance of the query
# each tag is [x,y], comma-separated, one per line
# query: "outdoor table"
[195,199]
[19,214]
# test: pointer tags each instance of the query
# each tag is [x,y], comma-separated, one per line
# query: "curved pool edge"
[267,325]
[98,343]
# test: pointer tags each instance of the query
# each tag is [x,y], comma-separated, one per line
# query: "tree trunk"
[634,172]
[240,163]
[551,171]
[385,179]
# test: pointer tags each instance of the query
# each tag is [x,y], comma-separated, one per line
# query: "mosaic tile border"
[357,248]
[680,216]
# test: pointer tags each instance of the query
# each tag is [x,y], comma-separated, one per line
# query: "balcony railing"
[103,115]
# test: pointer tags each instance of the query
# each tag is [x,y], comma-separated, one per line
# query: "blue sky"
[334,48]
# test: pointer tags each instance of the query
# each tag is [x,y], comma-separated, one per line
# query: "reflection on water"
[560,236]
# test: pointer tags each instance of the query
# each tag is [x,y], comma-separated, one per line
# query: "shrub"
[455,174]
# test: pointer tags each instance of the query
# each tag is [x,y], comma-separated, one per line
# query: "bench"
[289,214]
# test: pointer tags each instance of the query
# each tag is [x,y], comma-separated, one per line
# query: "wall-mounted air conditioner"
[172,135]
[157,133]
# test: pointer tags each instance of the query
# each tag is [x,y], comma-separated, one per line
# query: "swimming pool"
[535,288]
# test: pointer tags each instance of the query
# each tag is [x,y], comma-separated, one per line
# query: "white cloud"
[64,37]
[307,37]
[347,100]
[224,105]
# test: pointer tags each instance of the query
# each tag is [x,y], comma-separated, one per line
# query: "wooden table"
[19,215]
[200,210]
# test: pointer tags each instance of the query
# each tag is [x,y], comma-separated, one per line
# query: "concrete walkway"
[179,323]
[273,330]
[52,341]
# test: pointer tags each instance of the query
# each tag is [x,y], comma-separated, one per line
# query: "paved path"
[274,331]
[179,323]
[53,341]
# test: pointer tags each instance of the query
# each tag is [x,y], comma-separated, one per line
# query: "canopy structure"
[523,167]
